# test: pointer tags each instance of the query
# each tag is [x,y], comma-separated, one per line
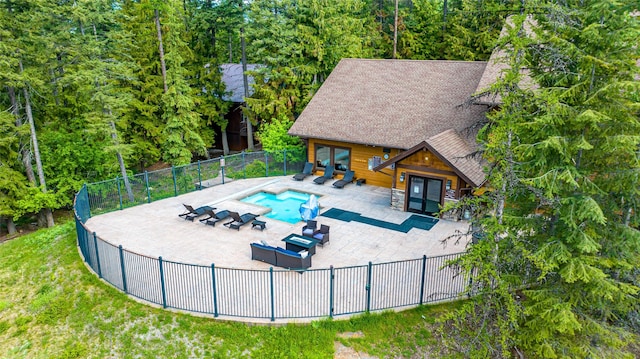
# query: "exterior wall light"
[401,176]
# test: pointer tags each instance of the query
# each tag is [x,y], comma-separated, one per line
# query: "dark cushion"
[288,252]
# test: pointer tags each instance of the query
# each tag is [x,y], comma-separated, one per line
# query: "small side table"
[261,225]
[360,181]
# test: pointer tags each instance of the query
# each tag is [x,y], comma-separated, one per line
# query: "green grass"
[51,306]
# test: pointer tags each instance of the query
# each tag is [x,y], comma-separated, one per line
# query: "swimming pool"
[284,206]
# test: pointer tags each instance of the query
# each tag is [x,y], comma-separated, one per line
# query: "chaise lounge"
[193,213]
[239,221]
[346,179]
[328,174]
[306,172]
[214,217]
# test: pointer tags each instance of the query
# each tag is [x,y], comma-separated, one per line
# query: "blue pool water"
[284,206]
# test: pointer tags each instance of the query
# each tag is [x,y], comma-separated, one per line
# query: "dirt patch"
[344,352]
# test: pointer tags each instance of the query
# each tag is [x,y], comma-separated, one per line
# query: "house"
[407,125]
[237,126]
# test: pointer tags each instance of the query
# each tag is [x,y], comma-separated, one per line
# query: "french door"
[425,195]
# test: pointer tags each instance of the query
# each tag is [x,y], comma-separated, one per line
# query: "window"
[339,157]
[323,156]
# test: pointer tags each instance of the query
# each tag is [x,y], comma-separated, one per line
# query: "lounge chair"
[239,221]
[322,235]
[306,172]
[328,174]
[214,217]
[309,228]
[193,213]
[346,179]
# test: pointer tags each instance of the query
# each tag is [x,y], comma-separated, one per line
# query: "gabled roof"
[234,83]
[453,150]
[392,103]
[498,63]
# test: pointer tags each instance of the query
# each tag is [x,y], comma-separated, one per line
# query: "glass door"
[434,193]
[416,194]
[425,195]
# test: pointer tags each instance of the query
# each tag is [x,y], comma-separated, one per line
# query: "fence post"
[146,181]
[470,283]
[95,244]
[164,293]
[124,276]
[119,191]
[331,279]
[199,176]
[223,164]
[424,269]
[244,166]
[273,314]
[213,286]
[266,164]
[368,287]
[175,181]
[284,161]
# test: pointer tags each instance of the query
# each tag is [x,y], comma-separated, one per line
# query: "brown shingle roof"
[459,155]
[392,103]
[234,82]
[498,63]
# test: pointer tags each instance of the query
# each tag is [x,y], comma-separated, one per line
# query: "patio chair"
[328,174]
[309,228]
[306,172]
[214,217]
[193,213]
[322,235]
[346,179]
[239,221]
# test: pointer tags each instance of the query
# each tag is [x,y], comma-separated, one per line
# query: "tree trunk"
[225,142]
[24,150]
[11,226]
[230,49]
[246,90]
[123,169]
[395,31]
[45,212]
[163,67]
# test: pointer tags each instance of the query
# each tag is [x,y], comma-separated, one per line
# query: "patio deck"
[156,230]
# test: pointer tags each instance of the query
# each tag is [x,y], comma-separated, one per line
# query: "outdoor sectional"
[279,257]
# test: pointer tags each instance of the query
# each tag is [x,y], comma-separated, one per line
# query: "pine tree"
[556,268]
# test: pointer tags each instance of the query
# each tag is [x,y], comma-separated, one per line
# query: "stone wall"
[397,199]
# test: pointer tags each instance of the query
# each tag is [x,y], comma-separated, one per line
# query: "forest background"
[94,89]
[91,89]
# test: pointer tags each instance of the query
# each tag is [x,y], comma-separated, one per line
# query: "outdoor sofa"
[280,257]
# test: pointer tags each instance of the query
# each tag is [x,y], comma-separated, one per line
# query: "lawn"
[51,306]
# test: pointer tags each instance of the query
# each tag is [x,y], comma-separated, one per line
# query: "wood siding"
[425,164]
[360,155]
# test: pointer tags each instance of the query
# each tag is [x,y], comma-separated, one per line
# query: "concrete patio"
[156,230]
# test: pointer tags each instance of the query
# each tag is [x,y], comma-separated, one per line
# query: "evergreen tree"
[555,271]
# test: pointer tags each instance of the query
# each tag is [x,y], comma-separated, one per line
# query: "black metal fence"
[120,192]
[261,294]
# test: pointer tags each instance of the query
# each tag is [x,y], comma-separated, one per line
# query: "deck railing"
[260,294]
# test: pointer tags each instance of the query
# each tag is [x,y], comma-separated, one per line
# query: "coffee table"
[296,242]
